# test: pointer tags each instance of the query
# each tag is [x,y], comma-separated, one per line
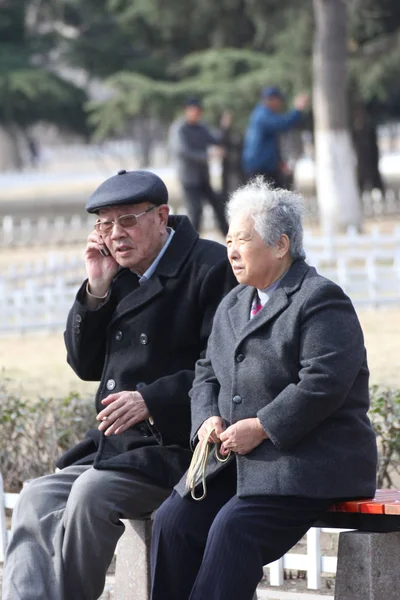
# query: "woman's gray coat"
[300,367]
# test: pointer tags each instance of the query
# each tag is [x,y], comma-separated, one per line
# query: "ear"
[282,246]
[163,212]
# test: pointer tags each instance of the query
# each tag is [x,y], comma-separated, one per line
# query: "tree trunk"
[144,132]
[338,197]
[10,151]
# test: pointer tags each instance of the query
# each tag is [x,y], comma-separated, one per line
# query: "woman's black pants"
[215,549]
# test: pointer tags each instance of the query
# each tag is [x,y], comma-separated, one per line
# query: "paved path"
[280,595]
[263,594]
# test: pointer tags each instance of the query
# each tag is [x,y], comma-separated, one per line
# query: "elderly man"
[139,323]
[283,390]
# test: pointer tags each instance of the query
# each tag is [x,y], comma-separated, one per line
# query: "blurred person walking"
[232,175]
[190,139]
[261,151]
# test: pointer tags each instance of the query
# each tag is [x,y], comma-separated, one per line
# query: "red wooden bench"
[368,558]
[379,514]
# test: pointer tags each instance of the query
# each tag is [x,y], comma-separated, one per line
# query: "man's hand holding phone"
[101,268]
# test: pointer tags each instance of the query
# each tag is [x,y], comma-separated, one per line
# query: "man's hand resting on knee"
[123,410]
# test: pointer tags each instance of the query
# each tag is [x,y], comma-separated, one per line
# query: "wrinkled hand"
[212,423]
[242,437]
[123,410]
[100,269]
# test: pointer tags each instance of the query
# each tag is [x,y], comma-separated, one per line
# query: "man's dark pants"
[195,196]
[216,548]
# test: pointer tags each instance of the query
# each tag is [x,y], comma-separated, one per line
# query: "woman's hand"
[215,423]
[242,437]
[123,410]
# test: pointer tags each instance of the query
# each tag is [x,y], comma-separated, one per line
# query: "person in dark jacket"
[190,139]
[284,389]
[365,141]
[261,152]
[138,324]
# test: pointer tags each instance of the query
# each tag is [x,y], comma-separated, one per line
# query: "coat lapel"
[275,305]
[138,297]
[239,313]
[170,265]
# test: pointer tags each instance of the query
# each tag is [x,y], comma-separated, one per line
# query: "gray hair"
[274,212]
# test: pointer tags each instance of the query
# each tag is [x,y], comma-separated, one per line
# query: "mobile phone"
[104,251]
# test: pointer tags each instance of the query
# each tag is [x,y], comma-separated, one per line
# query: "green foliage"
[152,53]
[227,52]
[33,434]
[385,418]
[132,95]
[29,91]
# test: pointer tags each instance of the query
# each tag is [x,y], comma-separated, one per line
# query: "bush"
[33,434]
[385,418]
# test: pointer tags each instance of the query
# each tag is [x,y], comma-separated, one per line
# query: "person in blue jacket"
[261,154]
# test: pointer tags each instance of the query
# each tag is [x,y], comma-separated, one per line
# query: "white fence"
[44,231]
[69,268]
[38,294]
[35,307]
[7,501]
[16,231]
[313,562]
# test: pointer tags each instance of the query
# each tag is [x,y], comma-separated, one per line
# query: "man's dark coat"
[147,338]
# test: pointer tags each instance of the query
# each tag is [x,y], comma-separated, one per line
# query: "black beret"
[128,187]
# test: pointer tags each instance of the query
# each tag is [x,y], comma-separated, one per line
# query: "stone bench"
[368,558]
[132,572]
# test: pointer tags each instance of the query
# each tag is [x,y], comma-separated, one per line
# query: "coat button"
[143,338]
[78,319]
[110,385]
[143,431]
[237,400]
[118,335]
[240,358]
[140,385]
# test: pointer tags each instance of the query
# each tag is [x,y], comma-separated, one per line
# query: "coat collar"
[180,247]
[170,264]
[240,311]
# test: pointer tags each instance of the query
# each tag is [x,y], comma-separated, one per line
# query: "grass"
[37,362]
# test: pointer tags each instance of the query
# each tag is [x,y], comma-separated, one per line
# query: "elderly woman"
[284,387]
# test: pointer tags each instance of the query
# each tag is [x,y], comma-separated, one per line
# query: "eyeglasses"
[125,221]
